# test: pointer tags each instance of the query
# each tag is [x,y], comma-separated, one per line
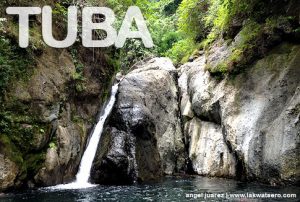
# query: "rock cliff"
[248,124]
[244,126]
[45,119]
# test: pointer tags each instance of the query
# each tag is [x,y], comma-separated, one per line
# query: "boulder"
[115,163]
[147,113]
[62,158]
[8,173]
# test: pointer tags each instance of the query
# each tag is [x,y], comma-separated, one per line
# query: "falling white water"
[83,175]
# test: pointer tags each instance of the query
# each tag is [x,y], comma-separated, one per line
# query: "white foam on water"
[73,185]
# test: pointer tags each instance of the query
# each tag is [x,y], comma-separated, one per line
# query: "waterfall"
[83,175]
[88,157]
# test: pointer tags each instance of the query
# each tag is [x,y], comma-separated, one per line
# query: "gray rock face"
[253,119]
[207,147]
[8,172]
[147,114]
[62,159]
[208,151]
[261,129]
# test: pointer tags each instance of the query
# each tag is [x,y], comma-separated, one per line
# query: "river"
[170,189]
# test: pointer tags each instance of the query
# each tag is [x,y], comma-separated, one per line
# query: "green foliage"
[132,52]
[204,21]
[18,128]
[60,10]
[9,149]
[60,16]
[171,7]
[252,26]
[21,127]
[78,77]
[191,18]
[168,41]
[2,27]
[10,30]
[243,49]
[36,44]
[52,145]
[181,50]
[161,21]
[249,34]
[164,33]
[189,29]
[34,163]
[15,63]
[279,22]
[221,13]
[113,61]
[211,37]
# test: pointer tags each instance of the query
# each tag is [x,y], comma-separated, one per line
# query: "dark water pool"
[171,189]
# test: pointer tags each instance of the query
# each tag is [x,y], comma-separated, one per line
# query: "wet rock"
[115,164]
